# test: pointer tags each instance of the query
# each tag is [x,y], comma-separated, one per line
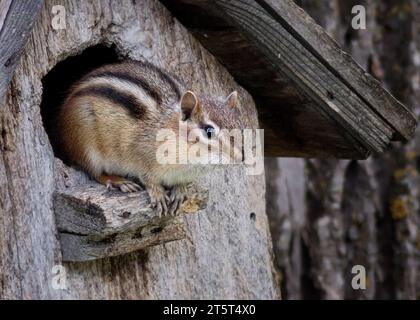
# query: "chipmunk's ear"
[189,103]
[232,99]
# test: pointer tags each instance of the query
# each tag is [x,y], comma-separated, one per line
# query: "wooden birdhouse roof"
[313,99]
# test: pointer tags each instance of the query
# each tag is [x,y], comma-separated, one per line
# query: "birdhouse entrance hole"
[59,80]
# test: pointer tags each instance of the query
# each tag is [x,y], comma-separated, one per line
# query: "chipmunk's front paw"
[178,196]
[159,200]
[116,182]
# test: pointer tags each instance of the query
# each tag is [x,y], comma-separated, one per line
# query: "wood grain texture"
[16,21]
[95,223]
[227,250]
[389,108]
[4,9]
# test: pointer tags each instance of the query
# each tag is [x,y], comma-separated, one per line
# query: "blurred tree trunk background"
[328,215]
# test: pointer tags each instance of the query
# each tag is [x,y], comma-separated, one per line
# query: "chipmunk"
[110,119]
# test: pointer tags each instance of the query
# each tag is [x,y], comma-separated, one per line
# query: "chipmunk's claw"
[129,186]
[178,196]
[164,204]
[159,201]
[160,206]
[114,182]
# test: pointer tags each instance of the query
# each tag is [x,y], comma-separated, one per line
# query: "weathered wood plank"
[400,118]
[16,22]
[298,129]
[77,248]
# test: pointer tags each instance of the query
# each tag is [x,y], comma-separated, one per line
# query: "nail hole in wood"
[8,62]
[253,216]
[126,214]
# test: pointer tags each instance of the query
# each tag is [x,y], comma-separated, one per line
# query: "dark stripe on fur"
[166,77]
[129,78]
[126,100]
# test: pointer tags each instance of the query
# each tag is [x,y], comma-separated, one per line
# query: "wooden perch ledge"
[94,222]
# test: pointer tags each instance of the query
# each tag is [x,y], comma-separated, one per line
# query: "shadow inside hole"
[59,80]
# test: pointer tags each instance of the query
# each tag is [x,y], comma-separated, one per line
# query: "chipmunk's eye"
[209,131]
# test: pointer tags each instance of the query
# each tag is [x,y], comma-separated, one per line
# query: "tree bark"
[327,216]
[227,251]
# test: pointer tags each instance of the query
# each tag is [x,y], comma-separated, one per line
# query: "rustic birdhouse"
[311,99]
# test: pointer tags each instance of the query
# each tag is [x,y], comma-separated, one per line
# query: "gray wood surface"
[16,21]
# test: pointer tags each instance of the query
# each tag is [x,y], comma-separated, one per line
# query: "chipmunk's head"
[213,125]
